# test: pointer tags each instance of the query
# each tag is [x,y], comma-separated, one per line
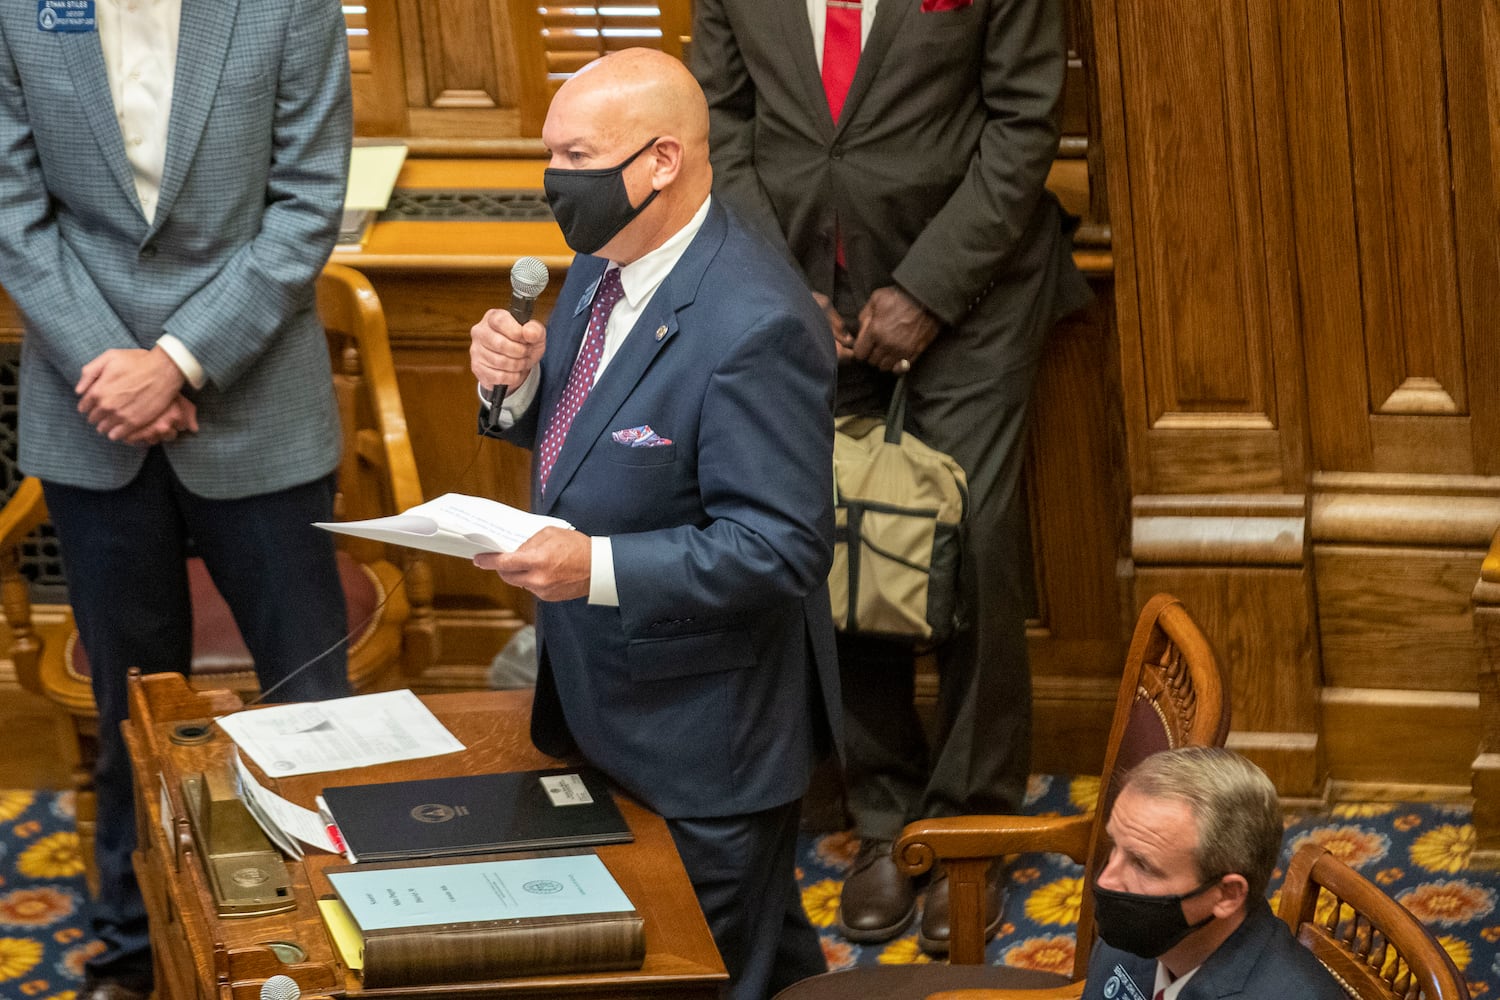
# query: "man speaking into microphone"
[679,412]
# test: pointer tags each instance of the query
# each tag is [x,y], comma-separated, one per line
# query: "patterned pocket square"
[640,437]
[934,6]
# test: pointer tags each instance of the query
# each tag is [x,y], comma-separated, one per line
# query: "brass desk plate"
[244,868]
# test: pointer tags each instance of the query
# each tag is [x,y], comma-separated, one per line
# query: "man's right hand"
[502,351]
[180,417]
[843,340]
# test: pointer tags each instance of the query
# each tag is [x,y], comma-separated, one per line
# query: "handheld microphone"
[280,988]
[528,279]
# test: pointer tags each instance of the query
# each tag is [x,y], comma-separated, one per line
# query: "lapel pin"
[661,332]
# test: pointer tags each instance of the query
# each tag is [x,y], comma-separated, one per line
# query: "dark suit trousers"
[962,402]
[744,871]
[123,551]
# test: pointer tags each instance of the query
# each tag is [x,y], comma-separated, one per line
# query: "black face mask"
[592,206]
[1147,926]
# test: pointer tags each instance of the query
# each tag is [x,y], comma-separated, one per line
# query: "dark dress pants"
[123,551]
[744,872]
[968,395]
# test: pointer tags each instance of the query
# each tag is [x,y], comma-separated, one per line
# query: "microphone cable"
[359,629]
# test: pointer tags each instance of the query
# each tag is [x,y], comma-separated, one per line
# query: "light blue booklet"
[515,889]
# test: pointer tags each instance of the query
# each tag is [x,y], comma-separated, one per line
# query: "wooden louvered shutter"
[375,67]
[557,39]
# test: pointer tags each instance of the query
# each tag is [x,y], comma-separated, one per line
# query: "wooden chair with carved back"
[1372,944]
[388,593]
[1172,694]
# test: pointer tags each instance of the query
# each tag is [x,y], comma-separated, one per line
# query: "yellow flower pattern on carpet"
[54,856]
[1444,848]
[13,804]
[1056,903]
[18,956]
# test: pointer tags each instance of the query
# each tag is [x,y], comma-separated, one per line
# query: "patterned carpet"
[1417,852]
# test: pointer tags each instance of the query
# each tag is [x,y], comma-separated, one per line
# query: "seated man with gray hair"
[1181,904]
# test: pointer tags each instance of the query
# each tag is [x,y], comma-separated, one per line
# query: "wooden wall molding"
[1486,767]
[1422,511]
[1219,530]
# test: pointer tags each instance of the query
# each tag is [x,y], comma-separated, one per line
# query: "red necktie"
[581,379]
[1161,994]
[841,33]
[841,38]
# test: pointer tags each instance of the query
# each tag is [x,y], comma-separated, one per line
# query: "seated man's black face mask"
[592,206]
[1148,926]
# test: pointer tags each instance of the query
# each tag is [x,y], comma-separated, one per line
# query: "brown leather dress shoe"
[110,989]
[932,936]
[878,902]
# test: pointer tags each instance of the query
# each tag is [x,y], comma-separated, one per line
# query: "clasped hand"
[502,351]
[134,396]
[554,564]
[893,327]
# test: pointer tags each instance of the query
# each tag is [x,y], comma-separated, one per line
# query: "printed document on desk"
[519,889]
[313,736]
[453,525]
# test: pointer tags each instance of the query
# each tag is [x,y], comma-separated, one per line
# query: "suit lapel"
[889,16]
[1226,971]
[805,61]
[202,45]
[652,332]
[85,61]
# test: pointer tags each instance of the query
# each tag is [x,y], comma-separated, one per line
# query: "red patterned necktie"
[841,34]
[581,379]
[1161,994]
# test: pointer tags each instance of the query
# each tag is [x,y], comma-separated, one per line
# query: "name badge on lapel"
[65,15]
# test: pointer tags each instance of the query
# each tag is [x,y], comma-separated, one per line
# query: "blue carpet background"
[1416,852]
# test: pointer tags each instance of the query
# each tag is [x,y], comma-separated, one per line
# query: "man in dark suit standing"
[679,411]
[897,150]
[171,178]
[1181,904]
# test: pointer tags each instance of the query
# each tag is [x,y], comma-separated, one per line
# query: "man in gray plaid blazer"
[171,178]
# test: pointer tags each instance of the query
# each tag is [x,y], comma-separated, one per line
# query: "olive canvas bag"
[899,509]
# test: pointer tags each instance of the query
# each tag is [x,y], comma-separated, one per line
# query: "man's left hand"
[894,330]
[124,390]
[553,564]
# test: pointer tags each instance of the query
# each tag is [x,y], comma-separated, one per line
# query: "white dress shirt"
[639,280]
[817,16]
[138,39]
[1169,987]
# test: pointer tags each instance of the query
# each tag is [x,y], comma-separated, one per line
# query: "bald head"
[644,91]
[609,110]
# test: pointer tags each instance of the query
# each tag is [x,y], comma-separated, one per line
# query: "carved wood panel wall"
[1303,199]
[477,75]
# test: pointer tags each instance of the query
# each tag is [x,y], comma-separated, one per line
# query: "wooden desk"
[201,956]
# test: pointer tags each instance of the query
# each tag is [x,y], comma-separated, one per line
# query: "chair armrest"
[1072,991]
[22,513]
[20,516]
[967,837]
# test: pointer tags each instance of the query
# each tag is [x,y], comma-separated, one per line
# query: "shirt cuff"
[183,359]
[602,590]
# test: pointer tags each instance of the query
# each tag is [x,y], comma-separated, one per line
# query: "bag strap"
[895,417]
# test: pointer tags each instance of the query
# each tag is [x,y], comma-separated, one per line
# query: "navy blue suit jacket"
[1259,961]
[713,688]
